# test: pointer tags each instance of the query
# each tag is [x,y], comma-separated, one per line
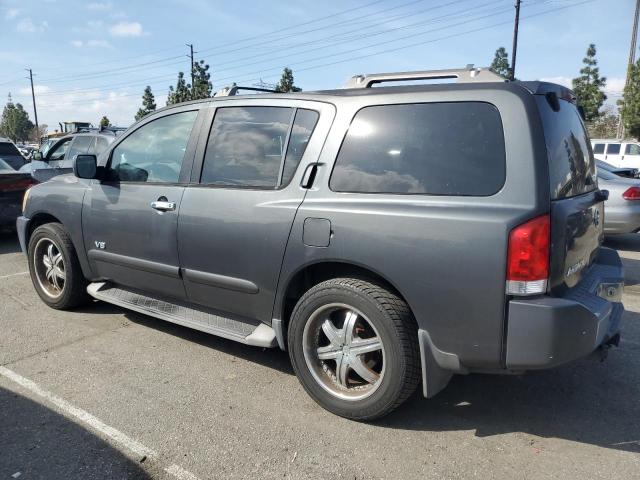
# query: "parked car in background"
[13,184]
[10,154]
[57,157]
[386,237]
[622,208]
[623,154]
[621,172]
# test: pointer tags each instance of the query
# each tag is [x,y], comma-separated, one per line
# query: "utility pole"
[632,59]
[190,45]
[514,49]
[35,111]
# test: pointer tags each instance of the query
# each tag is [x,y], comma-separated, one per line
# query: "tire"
[65,272]
[390,374]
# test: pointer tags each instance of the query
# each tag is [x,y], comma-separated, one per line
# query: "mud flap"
[437,366]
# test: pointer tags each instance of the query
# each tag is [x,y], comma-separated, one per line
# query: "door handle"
[163,206]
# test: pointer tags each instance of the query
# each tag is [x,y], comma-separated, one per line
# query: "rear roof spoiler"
[462,75]
[233,90]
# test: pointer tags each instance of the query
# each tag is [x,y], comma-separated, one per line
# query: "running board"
[260,335]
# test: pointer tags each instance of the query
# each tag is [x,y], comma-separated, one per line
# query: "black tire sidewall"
[54,233]
[392,384]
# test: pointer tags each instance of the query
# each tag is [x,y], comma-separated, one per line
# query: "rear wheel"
[354,347]
[55,269]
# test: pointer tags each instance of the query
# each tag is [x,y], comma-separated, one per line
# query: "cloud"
[564,81]
[26,25]
[99,6]
[11,13]
[38,89]
[127,29]
[91,44]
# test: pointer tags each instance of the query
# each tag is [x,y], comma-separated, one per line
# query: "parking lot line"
[2,277]
[86,418]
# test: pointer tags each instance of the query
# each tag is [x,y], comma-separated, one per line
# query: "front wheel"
[354,346]
[55,269]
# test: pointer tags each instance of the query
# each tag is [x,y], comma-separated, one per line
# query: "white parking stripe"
[2,277]
[88,419]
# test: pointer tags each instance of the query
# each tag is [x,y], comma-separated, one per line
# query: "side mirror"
[36,155]
[86,166]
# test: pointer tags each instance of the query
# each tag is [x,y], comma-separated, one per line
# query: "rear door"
[577,206]
[236,216]
[130,219]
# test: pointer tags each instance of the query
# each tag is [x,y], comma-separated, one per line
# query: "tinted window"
[572,169]
[99,145]
[154,152]
[598,148]
[246,146]
[7,148]
[434,148]
[303,127]
[79,145]
[632,149]
[613,149]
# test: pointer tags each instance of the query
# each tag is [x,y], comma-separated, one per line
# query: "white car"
[619,153]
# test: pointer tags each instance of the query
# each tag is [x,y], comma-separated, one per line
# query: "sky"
[94,58]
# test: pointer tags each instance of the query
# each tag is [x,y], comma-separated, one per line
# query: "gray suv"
[386,237]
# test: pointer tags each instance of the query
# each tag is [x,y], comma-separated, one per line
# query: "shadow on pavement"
[40,443]
[9,242]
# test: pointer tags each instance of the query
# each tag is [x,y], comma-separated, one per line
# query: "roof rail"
[109,129]
[233,90]
[463,75]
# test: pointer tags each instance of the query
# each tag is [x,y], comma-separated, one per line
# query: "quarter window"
[598,148]
[613,149]
[431,148]
[154,152]
[246,146]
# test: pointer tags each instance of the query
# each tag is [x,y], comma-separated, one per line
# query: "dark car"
[621,172]
[10,154]
[386,237]
[12,187]
[58,156]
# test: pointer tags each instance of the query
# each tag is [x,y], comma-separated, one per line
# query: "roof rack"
[233,90]
[463,75]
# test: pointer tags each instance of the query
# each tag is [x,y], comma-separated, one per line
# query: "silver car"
[622,209]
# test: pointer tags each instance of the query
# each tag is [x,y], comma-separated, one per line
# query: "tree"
[285,84]
[201,81]
[500,63]
[630,103]
[181,92]
[605,125]
[104,122]
[35,136]
[15,122]
[148,103]
[588,86]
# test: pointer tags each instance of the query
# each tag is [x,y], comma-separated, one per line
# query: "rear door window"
[572,168]
[598,148]
[79,146]
[431,148]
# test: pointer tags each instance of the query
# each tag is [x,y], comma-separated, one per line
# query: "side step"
[260,335]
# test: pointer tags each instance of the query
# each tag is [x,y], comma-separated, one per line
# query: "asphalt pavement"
[106,393]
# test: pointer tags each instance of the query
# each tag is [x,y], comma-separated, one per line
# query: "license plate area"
[611,292]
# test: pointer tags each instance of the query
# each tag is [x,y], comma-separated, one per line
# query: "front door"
[236,218]
[131,226]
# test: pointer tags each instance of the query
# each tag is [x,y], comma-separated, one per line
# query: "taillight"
[528,257]
[632,193]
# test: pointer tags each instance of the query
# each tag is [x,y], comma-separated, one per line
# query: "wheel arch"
[311,274]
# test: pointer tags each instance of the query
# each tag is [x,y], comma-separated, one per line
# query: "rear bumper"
[22,225]
[547,331]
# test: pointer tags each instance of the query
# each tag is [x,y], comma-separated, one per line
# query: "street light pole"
[35,110]
[514,50]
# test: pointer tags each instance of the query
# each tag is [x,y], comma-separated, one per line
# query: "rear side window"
[613,149]
[572,169]
[598,148]
[80,145]
[430,148]
[632,149]
[99,146]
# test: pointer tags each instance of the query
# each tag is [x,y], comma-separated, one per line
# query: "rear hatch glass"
[577,211]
